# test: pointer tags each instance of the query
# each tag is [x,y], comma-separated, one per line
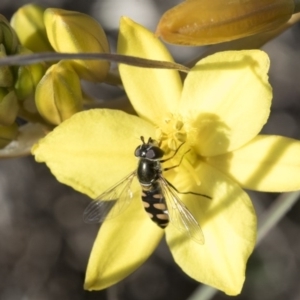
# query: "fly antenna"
[143,140]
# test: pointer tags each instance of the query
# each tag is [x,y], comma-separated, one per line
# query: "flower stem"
[275,213]
[28,59]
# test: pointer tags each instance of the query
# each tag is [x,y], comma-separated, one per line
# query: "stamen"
[179,125]
[181,136]
[172,144]
[171,133]
[191,171]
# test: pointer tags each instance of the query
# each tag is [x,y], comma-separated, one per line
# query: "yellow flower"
[217,113]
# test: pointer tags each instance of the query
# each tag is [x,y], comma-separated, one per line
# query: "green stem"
[28,59]
[269,220]
[275,213]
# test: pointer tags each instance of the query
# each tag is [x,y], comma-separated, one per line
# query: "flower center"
[171,134]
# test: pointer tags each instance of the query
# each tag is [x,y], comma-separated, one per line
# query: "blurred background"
[44,244]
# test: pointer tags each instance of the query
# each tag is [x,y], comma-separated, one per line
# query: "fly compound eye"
[154,153]
[149,150]
[137,151]
[150,154]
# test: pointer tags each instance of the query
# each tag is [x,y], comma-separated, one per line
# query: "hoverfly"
[160,198]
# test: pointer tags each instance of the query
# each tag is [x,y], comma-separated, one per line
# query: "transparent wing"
[111,203]
[179,214]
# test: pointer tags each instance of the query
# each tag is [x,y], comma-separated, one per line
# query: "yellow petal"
[226,100]
[267,163]
[122,245]
[93,150]
[152,92]
[228,222]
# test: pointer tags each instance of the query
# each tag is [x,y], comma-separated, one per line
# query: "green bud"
[8,36]
[8,134]
[8,107]
[6,75]
[28,22]
[27,77]
[74,32]
[58,95]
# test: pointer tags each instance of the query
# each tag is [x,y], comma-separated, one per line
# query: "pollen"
[171,133]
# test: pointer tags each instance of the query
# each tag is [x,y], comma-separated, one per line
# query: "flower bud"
[8,134]
[6,75]
[203,22]
[27,77]
[8,37]
[8,107]
[28,22]
[74,32]
[58,95]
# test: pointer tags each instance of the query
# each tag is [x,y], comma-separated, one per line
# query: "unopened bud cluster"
[58,94]
[17,84]
[52,92]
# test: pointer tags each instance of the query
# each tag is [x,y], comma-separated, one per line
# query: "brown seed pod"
[203,22]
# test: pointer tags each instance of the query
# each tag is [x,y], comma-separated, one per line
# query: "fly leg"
[173,167]
[193,193]
[175,152]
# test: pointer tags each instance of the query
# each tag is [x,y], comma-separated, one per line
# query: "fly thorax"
[148,171]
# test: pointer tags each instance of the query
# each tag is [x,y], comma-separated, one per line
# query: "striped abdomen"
[155,205]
